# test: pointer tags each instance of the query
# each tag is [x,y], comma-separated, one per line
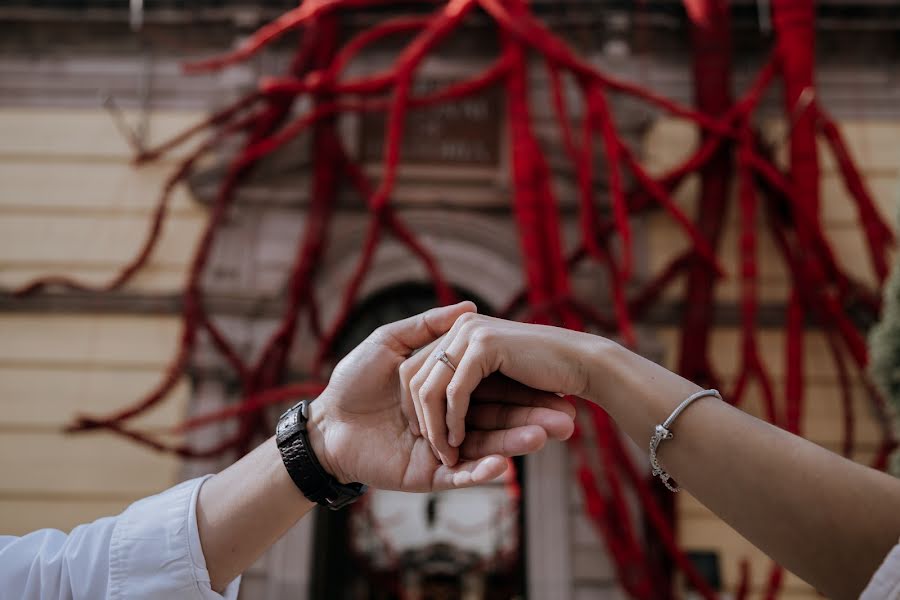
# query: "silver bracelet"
[662,433]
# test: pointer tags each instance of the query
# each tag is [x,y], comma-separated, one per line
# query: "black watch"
[300,461]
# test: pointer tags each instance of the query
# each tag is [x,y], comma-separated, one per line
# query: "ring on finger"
[441,355]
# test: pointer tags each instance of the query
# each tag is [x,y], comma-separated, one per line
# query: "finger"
[415,385]
[493,417]
[408,409]
[472,369]
[469,473]
[507,442]
[432,397]
[407,335]
[501,389]
[428,366]
[408,369]
[436,403]
[429,359]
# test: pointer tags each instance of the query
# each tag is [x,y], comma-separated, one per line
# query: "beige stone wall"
[876,147]
[71,203]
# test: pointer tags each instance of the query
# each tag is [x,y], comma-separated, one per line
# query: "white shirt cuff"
[155,550]
[886,582]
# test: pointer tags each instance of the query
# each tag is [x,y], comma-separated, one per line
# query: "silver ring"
[441,355]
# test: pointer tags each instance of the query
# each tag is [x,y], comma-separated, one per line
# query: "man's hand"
[360,433]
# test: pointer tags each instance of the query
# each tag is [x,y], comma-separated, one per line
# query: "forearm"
[825,518]
[245,509]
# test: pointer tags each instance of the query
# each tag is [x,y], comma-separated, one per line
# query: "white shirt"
[151,550]
[885,585]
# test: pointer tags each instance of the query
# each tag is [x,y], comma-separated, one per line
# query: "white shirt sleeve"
[151,550]
[885,584]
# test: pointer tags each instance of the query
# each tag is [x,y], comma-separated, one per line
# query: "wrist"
[604,363]
[632,388]
[320,432]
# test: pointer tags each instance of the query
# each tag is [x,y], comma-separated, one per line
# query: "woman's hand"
[842,516]
[359,432]
[539,358]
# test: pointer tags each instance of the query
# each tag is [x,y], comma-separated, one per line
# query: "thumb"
[422,329]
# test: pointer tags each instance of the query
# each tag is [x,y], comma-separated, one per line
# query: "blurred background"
[85,85]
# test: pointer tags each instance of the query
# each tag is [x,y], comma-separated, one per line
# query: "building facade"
[70,201]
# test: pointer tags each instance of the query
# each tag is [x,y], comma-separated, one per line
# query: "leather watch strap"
[304,468]
[309,476]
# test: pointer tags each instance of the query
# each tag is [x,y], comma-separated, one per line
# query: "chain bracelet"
[662,433]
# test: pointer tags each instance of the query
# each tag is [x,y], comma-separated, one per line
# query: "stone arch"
[476,251]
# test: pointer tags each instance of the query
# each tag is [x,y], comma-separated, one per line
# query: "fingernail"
[414,429]
[451,439]
[444,459]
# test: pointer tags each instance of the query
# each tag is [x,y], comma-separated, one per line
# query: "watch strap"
[309,476]
[304,468]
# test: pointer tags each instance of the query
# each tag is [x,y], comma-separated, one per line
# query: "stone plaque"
[463,132]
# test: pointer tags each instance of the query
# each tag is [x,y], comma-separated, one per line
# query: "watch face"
[287,425]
